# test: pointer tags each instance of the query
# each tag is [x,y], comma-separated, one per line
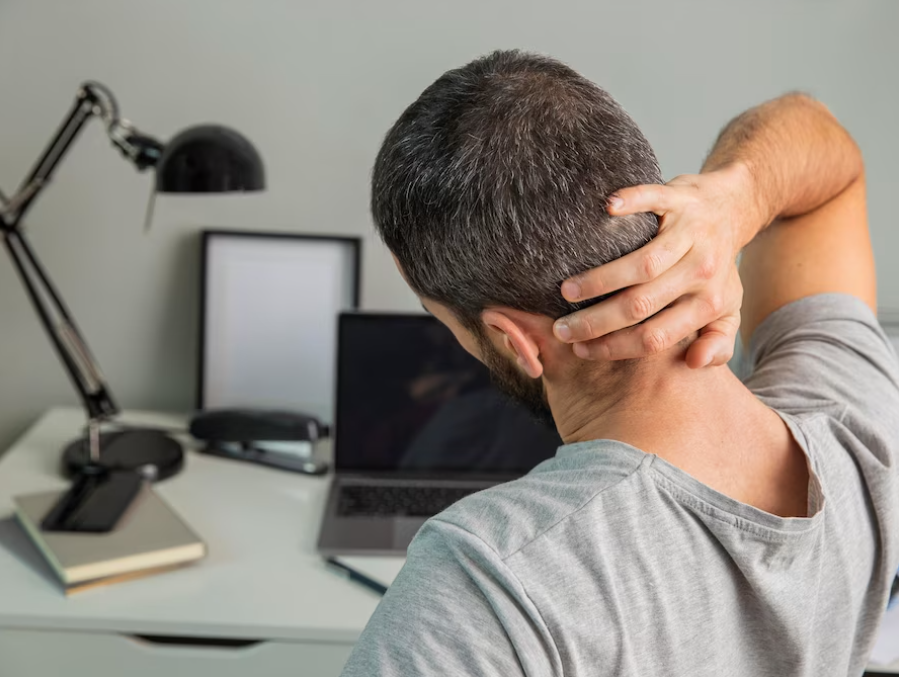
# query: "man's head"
[491,189]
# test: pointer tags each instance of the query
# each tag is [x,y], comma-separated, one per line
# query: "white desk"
[262,579]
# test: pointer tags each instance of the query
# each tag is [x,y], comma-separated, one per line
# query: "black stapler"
[260,436]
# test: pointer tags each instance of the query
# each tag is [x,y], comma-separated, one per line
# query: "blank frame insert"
[269,308]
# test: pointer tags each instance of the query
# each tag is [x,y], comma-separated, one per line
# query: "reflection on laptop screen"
[410,399]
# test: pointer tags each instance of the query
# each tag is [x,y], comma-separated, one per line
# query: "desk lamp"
[202,159]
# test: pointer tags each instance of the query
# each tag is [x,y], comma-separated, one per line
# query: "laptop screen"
[410,399]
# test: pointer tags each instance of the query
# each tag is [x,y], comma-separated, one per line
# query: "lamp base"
[146,451]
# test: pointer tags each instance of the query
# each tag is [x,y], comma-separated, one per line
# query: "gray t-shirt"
[606,560]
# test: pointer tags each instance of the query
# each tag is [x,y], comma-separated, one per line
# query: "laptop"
[418,426]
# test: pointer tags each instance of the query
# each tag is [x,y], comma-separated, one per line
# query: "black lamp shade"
[209,159]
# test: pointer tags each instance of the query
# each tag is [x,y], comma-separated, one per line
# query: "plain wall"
[315,85]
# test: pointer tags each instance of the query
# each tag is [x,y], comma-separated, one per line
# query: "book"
[148,539]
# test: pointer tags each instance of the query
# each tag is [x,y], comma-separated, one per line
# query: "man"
[690,525]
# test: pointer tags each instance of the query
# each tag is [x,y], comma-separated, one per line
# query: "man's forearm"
[796,156]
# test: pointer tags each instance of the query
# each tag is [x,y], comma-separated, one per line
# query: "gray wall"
[315,84]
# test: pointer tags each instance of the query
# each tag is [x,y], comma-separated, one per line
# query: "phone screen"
[94,503]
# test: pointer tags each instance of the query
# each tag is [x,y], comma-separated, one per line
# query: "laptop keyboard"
[386,500]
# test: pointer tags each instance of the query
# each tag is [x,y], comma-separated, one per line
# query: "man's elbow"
[853,161]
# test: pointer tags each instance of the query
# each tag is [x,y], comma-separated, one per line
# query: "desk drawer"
[35,653]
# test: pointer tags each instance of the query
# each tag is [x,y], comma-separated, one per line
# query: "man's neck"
[703,421]
[661,403]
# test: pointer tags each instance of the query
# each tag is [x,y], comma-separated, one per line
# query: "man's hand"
[684,281]
[788,162]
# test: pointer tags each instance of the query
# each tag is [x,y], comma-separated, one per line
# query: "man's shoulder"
[509,516]
[826,354]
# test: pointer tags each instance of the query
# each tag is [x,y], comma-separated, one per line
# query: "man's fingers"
[626,309]
[650,338]
[715,345]
[709,350]
[652,197]
[642,265]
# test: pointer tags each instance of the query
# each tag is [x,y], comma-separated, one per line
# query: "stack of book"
[148,539]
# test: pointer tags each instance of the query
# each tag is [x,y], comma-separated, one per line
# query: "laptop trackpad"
[404,530]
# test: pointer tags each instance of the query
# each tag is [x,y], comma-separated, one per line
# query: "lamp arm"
[92,99]
[71,348]
[17,205]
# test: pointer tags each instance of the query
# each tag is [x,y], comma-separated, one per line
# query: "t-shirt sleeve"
[825,352]
[455,609]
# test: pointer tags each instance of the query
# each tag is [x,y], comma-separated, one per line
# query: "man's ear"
[516,338]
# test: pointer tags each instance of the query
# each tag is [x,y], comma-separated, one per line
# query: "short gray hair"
[492,188]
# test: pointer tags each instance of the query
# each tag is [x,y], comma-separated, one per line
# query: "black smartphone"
[94,503]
